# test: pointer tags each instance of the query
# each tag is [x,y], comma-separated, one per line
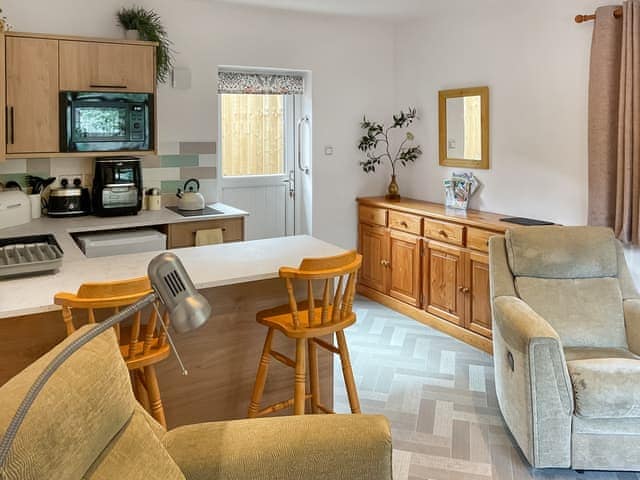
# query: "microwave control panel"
[136,119]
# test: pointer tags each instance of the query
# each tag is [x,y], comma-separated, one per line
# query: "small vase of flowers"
[376,145]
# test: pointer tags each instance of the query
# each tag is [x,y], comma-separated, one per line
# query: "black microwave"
[106,122]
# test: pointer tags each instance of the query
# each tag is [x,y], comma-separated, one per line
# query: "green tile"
[178,160]
[171,186]
[16,177]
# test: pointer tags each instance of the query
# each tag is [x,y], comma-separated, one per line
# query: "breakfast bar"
[238,279]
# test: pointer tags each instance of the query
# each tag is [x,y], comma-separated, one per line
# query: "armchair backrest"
[84,420]
[574,277]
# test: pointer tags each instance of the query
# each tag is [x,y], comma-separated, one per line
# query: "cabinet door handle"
[97,85]
[464,289]
[10,126]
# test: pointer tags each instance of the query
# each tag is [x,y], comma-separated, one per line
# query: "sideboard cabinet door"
[374,247]
[478,311]
[443,282]
[404,267]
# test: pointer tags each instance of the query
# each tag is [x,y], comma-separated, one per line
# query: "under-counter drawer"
[405,222]
[184,234]
[478,239]
[444,231]
[372,215]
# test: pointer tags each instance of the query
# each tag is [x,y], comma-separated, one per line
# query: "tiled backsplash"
[176,162]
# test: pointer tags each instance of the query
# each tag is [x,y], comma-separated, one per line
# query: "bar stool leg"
[314,378]
[153,390]
[299,396]
[347,372]
[261,376]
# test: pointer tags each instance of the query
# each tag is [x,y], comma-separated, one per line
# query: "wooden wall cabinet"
[37,67]
[32,95]
[87,66]
[429,264]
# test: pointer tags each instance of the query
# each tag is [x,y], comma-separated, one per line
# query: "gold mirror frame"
[443,95]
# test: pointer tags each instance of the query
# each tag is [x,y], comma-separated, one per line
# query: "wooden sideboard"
[430,263]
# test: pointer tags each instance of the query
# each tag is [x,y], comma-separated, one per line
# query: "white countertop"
[63,227]
[208,266]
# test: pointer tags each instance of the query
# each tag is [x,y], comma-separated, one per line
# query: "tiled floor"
[440,397]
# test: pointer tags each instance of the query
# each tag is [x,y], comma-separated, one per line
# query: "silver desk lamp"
[171,285]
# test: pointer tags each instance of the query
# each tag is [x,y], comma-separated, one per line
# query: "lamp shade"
[187,308]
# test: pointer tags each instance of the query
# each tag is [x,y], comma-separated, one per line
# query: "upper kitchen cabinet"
[86,66]
[32,95]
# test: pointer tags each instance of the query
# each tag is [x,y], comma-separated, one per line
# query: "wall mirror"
[464,127]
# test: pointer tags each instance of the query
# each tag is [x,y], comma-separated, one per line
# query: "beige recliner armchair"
[566,326]
[87,424]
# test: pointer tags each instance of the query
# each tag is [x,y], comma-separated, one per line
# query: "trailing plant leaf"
[150,28]
[376,135]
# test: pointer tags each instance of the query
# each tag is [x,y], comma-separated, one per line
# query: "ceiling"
[396,9]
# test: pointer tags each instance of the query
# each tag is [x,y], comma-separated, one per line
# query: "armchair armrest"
[532,383]
[306,446]
[631,307]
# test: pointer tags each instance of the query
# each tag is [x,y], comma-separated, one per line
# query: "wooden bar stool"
[306,323]
[143,344]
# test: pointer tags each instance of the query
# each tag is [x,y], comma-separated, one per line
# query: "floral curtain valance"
[260,83]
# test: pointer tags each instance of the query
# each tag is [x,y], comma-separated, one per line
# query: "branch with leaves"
[376,145]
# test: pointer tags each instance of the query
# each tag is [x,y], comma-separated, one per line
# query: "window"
[252,134]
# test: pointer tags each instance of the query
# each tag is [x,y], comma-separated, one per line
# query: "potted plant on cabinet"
[377,135]
[142,24]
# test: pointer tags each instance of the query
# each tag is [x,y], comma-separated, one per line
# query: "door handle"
[302,168]
[464,289]
[97,85]
[10,126]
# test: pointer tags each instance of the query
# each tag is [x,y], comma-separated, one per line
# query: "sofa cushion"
[83,406]
[585,312]
[562,252]
[136,453]
[606,387]
[587,353]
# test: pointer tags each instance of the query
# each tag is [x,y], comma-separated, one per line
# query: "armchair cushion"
[606,387]
[561,252]
[306,446]
[586,312]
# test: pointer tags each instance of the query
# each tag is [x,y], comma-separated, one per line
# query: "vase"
[393,192]
[132,34]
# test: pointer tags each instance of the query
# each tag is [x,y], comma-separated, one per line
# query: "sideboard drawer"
[478,239]
[444,231]
[405,222]
[372,215]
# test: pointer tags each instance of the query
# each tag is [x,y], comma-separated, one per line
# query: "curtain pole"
[587,18]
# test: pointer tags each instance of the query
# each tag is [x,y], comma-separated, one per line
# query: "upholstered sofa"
[566,326]
[87,424]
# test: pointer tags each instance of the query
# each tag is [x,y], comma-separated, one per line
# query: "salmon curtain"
[614,122]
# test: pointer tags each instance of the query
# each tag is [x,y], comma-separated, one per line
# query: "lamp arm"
[60,358]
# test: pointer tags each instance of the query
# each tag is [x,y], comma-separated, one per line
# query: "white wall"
[351,62]
[534,58]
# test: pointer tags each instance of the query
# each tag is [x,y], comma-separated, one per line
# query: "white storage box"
[122,242]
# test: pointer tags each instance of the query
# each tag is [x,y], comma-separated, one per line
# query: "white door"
[257,167]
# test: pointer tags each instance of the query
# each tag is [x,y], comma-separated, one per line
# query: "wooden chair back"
[111,297]
[336,304]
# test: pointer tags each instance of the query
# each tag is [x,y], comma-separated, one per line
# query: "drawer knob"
[443,233]
[404,224]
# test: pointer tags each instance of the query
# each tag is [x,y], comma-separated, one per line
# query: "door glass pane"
[252,130]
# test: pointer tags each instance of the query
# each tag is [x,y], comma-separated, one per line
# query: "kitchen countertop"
[62,228]
[209,266]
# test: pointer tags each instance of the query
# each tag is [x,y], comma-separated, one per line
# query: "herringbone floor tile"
[439,396]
